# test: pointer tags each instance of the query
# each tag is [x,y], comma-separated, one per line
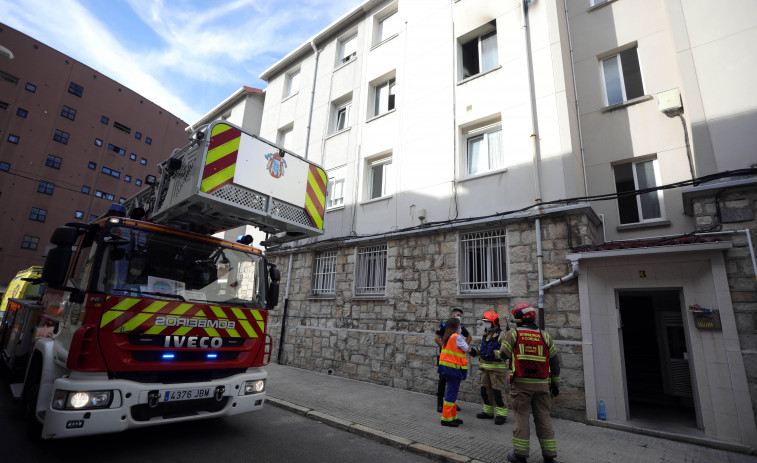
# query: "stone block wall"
[738,209]
[389,340]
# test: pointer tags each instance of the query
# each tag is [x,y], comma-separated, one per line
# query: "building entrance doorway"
[656,356]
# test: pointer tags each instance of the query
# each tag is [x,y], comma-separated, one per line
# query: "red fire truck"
[148,319]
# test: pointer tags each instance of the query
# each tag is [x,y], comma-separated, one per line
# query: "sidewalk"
[409,420]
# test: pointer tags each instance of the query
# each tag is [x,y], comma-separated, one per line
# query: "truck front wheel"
[29,399]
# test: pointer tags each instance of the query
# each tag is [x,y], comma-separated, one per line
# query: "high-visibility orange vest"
[453,360]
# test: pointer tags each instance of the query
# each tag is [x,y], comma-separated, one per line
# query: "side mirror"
[65,236]
[273,295]
[55,271]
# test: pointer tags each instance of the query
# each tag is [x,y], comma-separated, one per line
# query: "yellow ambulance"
[21,289]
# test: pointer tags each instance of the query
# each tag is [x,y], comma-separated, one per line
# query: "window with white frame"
[324,273]
[483,261]
[335,193]
[284,137]
[292,83]
[383,100]
[370,270]
[633,176]
[347,49]
[483,149]
[341,115]
[387,24]
[379,177]
[621,75]
[479,51]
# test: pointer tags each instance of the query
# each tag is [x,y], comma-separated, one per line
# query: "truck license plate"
[184,394]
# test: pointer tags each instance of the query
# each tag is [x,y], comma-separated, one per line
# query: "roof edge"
[361,9]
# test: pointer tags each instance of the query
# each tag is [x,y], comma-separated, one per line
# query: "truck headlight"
[254,387]
[81,400]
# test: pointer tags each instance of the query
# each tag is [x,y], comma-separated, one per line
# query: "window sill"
[650,224]
[369,297]
[627,103]
[317,297]
[376,200]
[347,63]
[380,115]
[480,74]
[485,174]
[491,295]
[290,96]
[601,5]
[384,41]
[337,133]
[335,208]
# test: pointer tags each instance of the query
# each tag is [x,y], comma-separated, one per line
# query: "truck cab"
[143,324]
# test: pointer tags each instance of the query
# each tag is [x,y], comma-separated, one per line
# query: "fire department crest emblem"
[276,164]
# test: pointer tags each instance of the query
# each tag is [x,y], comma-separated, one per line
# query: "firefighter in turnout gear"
[493,371]
[535,381]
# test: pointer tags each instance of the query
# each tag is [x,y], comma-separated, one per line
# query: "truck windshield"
[138,262]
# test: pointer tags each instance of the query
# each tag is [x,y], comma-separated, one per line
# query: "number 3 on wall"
[642,273]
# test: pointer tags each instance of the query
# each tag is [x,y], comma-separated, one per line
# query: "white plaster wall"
[424,132]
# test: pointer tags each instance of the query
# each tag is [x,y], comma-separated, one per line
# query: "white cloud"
[206,49]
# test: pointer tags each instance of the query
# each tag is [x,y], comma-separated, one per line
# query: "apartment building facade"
[72,142]
[482,153]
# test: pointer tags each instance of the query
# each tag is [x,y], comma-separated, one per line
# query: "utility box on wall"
[669,101]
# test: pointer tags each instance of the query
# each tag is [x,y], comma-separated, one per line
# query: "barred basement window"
[370,270]
[324,273]
[483,261]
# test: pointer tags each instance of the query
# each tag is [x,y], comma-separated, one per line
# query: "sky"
[184,55]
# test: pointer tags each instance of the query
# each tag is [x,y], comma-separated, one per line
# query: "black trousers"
[441,387]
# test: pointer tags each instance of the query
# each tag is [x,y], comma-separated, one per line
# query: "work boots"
[453,423]
[513,457]
[484,416]
[500,420]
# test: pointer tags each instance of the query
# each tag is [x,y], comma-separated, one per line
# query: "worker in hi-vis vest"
[535,382]
[453,365]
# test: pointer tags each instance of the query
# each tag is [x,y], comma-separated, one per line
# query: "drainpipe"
[567,277]
[286,309]
[575,93]
[312,99]
[536,158]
